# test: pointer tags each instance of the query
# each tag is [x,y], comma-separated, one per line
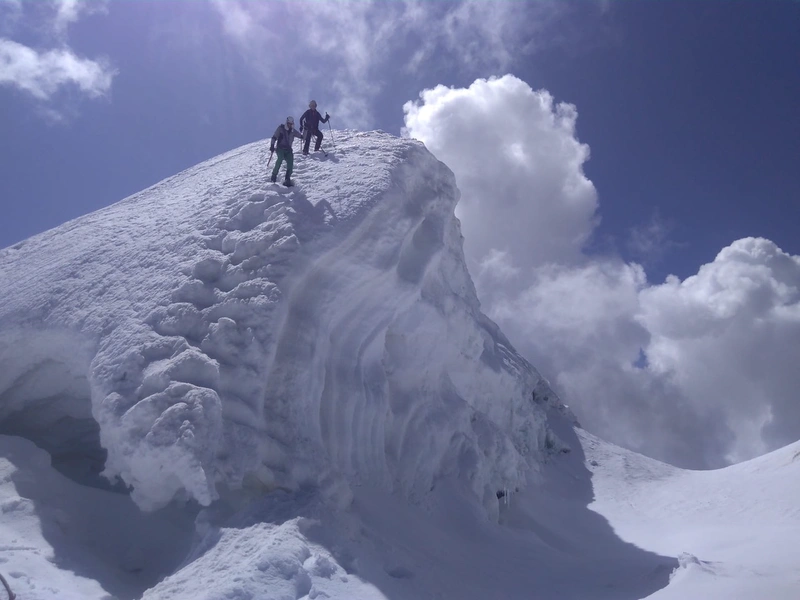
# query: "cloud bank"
[700,372]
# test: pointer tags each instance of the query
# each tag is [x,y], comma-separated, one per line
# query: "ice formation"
[215,333]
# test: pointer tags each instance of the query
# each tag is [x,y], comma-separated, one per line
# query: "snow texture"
[63,541]
[733,530]
[293,394]
[224,333]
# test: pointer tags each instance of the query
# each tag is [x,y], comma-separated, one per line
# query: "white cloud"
[69,11]
[42,74]
[238,22]
[518,165]
[356,48]
[719,381]
[730,336]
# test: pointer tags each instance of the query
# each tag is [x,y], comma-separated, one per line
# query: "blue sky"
[688,109]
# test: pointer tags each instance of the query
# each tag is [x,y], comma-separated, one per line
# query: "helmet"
[290,120]
[312,104]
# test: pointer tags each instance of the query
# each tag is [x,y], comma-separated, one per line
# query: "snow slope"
[226,332]
[64,541]
[300,391]
[735,530]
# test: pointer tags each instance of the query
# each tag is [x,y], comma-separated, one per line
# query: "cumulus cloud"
[44,72]
[358,47]
[730,336]
[700,372]
[518,165]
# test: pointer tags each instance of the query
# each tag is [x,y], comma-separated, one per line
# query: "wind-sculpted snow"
[227,333]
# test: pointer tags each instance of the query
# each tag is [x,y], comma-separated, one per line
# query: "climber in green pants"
[284,137]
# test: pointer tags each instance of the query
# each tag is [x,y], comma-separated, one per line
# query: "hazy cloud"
[355,48]
[68,12]
[10,12]
[698,372]
[649,242]
[11,5]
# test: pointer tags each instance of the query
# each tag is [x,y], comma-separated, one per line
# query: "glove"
[272,148]
[327,116]
[301,129]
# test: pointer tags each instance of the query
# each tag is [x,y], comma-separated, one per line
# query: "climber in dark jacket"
[284,137]
[309,123]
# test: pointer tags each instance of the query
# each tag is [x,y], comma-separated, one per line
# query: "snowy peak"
[216,331]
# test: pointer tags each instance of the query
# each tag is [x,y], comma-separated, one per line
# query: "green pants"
[283,154]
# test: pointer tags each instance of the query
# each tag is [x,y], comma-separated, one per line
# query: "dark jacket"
[311,119]
[284,138]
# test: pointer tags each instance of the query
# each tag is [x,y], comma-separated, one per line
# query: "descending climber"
[284,137]
[310,123]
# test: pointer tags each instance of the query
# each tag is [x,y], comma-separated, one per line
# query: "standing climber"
[310,123]
[284,137]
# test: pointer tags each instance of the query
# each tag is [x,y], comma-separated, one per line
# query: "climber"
[284,137]
[309,123]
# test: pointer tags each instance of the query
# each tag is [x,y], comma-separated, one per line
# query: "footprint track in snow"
[206,358]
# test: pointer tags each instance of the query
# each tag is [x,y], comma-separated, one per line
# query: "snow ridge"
[238,334]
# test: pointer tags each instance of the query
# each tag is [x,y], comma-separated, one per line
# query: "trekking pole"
[331,130]
[11,594]
[271,152]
